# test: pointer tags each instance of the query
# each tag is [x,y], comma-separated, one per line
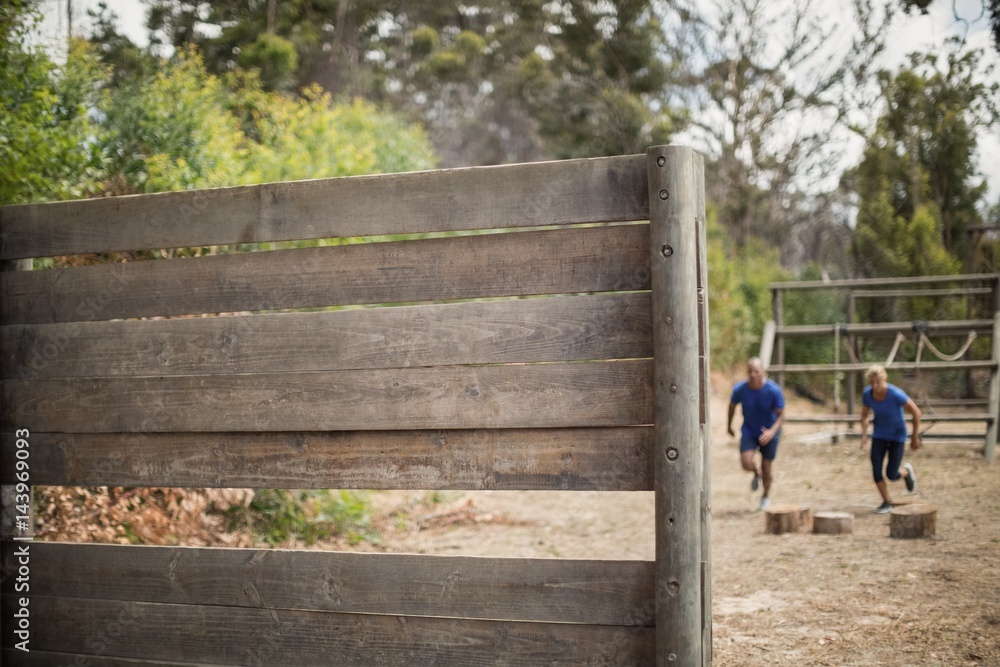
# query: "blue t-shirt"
[888,423]
[760,406]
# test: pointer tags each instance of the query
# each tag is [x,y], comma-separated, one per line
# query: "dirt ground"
[795,599]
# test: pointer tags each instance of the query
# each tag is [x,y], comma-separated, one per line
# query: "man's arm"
[767,434]
[912,408]
[729,421]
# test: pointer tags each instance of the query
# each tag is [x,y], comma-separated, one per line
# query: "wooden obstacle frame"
[846,335]
[231,370]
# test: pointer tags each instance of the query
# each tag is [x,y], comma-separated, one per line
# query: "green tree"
[49,148]
[494,82]
[172,131]
[311,137]
[738,285]
[918,187]
[184,128]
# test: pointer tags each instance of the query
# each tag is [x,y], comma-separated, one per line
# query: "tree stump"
[833,523]
[908,521]
[787,518]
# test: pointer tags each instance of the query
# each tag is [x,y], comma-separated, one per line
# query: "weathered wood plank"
[888,329]
[589,190]
[247,636]
[599,459]
[896,366]
[592,592]
[925,417]
[678,459]
[489,265]
[614,393]
[34,658]
[606,326]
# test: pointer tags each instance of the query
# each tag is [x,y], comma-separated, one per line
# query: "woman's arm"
[912,408]
[864,426]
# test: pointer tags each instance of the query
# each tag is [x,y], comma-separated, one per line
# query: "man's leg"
[746,460]
[748,447]
[765,475]
[768,453]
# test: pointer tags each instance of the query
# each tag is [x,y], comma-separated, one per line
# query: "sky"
[911,33]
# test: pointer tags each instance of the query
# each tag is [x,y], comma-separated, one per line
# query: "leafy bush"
[738,293]
[278,516]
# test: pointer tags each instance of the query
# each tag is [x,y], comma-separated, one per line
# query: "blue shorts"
[768,451]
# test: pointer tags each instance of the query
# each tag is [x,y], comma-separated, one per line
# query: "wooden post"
[852,341]
[704,347]
[678,468]
[767,343]
[779,340]
[837,376]
[992,429]
[10,498]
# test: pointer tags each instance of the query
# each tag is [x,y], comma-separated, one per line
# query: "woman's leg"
[878,453]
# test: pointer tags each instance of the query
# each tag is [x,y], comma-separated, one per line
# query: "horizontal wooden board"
[605,326]
[599,459]
[594,592]
[596,259]
[614,393]
[894,282]
[944,328]
[896,366]
[35,658]
[248,636]
[924,417]
[589,190]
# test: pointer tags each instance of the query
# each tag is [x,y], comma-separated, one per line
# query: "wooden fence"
[219,371]
[846,336]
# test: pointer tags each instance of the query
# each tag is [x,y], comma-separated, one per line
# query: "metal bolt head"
[664,195]
[666,250]
[660,161]
[672,454]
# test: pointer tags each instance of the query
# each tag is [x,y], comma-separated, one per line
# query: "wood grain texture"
[606,326]
[588,190]
[597,459]
[676,212]
[595,259]
[249,636]
[34,658]
[613,393]
[523,589]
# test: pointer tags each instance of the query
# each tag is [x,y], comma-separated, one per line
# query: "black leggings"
[895,451]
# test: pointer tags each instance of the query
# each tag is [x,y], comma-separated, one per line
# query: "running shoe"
[911,478]
[765,502]
[755,482]
[884,508]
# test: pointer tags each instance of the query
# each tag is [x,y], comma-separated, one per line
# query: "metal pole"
[678,456]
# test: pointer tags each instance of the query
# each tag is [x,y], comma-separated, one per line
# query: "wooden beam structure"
[550,334]
[850,332]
